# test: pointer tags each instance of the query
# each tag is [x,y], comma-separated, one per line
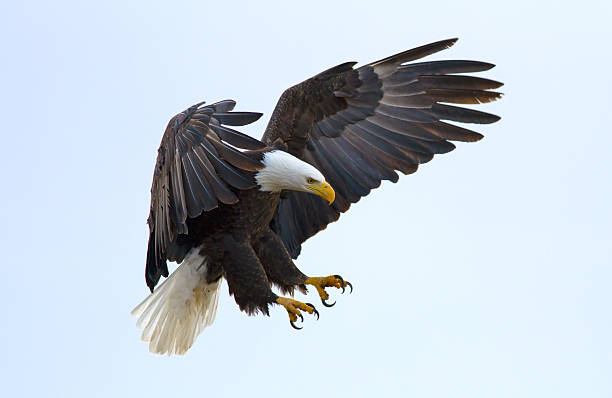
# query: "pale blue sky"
[486,274]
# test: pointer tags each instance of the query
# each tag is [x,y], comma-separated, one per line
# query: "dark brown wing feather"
[360,126]
[194,172]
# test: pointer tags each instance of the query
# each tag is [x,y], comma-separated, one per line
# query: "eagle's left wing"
[360,126]
[197,163]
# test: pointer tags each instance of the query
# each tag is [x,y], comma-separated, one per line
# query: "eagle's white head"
[284,171]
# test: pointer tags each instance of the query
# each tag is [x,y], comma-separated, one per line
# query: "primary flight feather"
[225,205]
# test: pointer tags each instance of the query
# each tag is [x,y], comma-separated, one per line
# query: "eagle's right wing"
[194,170]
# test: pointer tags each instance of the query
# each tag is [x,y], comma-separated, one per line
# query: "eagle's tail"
[175,314]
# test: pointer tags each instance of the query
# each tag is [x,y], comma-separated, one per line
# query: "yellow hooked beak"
[323,189]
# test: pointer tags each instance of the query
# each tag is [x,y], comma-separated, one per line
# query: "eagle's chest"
[255,210]
[249,217]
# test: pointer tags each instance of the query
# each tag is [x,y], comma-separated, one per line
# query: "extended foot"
[321,282]
[293,308]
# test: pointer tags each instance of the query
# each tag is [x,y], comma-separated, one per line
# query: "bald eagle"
[225,205]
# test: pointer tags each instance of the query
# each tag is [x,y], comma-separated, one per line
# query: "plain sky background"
[485,274]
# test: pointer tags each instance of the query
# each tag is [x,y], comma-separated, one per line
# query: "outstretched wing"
[360,126]
[195,168]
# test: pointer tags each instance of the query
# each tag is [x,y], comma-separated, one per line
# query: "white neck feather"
[285,171]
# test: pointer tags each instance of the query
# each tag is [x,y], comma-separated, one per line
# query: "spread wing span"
[360,126]
[194,170]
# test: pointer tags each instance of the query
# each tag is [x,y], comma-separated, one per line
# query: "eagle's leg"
[283,272]
[245,275]
[280,269]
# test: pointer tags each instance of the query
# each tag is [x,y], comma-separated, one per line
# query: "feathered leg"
[245,276]
[279,267]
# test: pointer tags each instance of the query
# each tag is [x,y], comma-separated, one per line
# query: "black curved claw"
[349,285]
[293,325]
[314,310]
[328,305]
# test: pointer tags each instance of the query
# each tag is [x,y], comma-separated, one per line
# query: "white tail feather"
[179,309]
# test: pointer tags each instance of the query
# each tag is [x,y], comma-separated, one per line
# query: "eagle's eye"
[310,180]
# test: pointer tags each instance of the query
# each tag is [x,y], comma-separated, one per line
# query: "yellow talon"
[321,282]
[293,308]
